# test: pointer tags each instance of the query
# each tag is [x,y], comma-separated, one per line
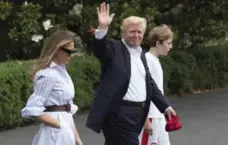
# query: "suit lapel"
[148,85]
[127,61]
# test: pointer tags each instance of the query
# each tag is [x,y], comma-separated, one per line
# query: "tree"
[195,22]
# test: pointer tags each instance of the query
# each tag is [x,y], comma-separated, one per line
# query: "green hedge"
[180,69]
[213,67]
[14,90]
[199,69]
[184,72]
[84,71]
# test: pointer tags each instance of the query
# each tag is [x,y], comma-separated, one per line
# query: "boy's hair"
[159,33]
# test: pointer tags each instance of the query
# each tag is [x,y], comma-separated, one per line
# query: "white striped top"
[52,86]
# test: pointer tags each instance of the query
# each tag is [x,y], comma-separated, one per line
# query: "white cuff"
[168,108]
[74,109]
[100,34]
[32,111]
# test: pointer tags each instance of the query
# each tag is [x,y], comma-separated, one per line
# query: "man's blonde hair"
[133,20]
[159,33]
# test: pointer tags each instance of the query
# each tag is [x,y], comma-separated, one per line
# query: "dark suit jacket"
[115,76]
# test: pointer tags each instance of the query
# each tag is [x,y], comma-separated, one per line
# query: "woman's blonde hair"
[52,44]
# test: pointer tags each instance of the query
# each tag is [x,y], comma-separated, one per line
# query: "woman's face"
[63,55]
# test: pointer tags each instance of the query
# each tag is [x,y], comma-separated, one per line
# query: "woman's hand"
[77,138]
[49,120]
[79,142]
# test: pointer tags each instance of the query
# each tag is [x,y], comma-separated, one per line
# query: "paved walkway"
[204,118]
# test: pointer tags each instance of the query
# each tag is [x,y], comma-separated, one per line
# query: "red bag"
[173,124]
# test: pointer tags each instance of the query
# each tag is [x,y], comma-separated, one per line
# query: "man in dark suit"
[122,100]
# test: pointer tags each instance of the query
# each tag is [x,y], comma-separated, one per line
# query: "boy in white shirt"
[160,40]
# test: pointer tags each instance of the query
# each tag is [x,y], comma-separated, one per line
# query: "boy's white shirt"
[156,72]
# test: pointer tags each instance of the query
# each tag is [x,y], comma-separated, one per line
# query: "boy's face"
[165,46]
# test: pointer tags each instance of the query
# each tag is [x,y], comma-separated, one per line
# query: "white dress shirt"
[157,75]
[137,86]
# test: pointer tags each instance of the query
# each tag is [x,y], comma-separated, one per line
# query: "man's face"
[133,35]
[165,46]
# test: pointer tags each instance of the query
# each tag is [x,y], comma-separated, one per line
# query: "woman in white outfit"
[160,40]
[51,101]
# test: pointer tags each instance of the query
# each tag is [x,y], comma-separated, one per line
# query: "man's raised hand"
[104,17]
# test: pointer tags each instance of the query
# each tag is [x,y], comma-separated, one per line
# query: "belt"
[56,108]
[134,104]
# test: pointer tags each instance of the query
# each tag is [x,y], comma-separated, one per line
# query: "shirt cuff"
[74,109]
[32,111]
[100,34]
[168,108]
